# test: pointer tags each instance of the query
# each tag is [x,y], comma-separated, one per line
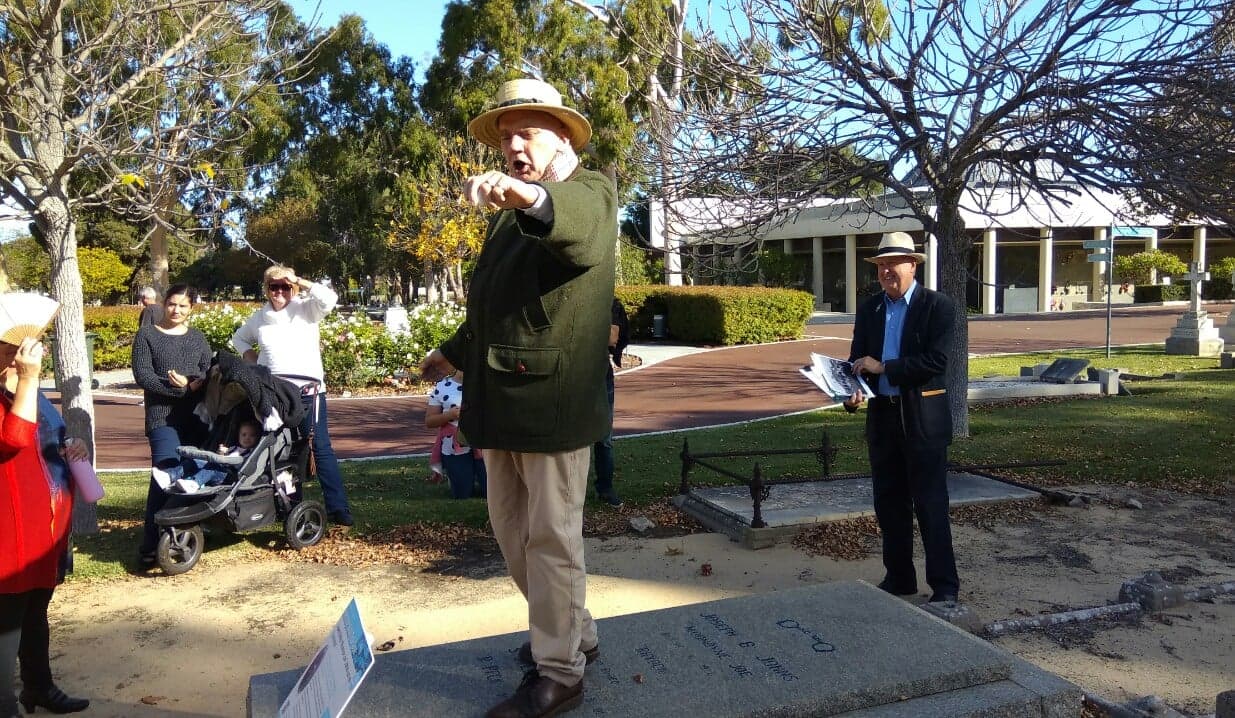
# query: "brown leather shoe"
[539,697]
[525,654]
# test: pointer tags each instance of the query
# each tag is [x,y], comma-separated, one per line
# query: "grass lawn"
[1169,432]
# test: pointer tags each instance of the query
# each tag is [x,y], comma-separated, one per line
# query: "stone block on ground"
[1152,591]
[838,649]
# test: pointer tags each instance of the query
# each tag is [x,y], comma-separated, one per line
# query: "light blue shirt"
[893,328]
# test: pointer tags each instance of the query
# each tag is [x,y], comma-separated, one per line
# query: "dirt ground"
[186,646]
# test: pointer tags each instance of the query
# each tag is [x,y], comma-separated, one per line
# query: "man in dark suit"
[901,341]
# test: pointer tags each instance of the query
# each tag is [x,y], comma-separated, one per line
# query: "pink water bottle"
[86,481]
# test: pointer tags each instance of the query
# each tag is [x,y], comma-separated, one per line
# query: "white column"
[1199,237]
[816,263]
[1099,270]
[988,271]
[1151,243]
[851,273]
[660,239]
[1046,267]
[931,250]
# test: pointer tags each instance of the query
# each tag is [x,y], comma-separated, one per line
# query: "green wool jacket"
[534,346]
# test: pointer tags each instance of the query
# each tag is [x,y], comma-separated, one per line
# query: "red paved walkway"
[713,387]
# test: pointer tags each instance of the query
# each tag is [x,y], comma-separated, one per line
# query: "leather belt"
[884,400]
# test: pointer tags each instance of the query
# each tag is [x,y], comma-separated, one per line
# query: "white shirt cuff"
[542,208]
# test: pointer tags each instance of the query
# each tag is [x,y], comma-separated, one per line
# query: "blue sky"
[411,29]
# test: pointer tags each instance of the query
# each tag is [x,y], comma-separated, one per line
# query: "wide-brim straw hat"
[529,94]
[896,244]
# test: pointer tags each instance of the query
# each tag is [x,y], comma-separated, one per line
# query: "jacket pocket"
[523,391]
[935,416]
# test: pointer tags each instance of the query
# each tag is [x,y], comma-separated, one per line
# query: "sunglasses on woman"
[279,287]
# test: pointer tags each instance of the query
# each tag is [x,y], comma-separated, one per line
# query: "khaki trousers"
[536,508]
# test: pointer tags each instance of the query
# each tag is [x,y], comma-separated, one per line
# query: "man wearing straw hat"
[533,351]
[901,342]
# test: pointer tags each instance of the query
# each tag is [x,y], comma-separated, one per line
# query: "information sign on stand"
[334,674]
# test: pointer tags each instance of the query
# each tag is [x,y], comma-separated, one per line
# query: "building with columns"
[1026,255]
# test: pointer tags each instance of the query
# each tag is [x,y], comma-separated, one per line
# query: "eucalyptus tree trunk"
[954,281]
[69,354]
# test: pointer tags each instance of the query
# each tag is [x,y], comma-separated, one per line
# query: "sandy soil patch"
[186,646]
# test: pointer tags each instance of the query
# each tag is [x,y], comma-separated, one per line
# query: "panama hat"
[896,244]
[529,94]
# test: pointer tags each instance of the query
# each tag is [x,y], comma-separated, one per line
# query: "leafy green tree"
[1138,268]
[104,275]
[27,264]
[573,46]
[352,130]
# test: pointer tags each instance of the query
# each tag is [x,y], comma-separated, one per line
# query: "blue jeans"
[467,475]
[163,443]
[603,449]
[328,474]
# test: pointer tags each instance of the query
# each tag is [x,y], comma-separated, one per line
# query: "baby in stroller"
[193,474]
[263,484]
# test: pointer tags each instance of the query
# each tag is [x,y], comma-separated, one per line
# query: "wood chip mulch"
[848,540]
[419,544]
[610,521]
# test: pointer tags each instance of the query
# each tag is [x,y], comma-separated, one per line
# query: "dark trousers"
[911,480]
[603,449]
[163,443]
[328,474]
[467,475]
[24,638]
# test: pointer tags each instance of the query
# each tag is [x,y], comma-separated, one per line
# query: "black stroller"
[263,486]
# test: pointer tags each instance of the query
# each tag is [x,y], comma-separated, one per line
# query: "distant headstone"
[1227,360]
[1064,371]
[396,320]
[1195,334]
[838,649]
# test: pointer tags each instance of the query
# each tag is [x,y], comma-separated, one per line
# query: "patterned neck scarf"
[562,165]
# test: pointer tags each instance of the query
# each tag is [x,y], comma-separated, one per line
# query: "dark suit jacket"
[919,373]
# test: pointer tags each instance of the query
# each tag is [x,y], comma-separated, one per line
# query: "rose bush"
[356,351]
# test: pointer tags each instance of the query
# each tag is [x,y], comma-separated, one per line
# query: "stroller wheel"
[179,548]
[305,525]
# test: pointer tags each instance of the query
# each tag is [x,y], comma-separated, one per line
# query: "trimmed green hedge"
[115,327]
[718,315]
[1159,292]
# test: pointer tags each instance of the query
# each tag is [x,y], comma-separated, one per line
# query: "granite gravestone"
[840,649]
[1064,371]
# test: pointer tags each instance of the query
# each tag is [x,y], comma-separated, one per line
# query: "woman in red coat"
[36,512]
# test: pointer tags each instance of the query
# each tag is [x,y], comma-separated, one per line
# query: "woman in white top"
[283,336]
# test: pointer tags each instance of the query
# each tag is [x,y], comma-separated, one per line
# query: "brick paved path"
[712,387]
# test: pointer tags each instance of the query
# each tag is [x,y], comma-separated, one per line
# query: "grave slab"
[838,649]
[997,389]
[793,507]
[1064,370]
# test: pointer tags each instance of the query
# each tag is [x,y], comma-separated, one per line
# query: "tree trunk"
[159,251]
[454,275]
[953,281]
[69,352]
[431,288]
